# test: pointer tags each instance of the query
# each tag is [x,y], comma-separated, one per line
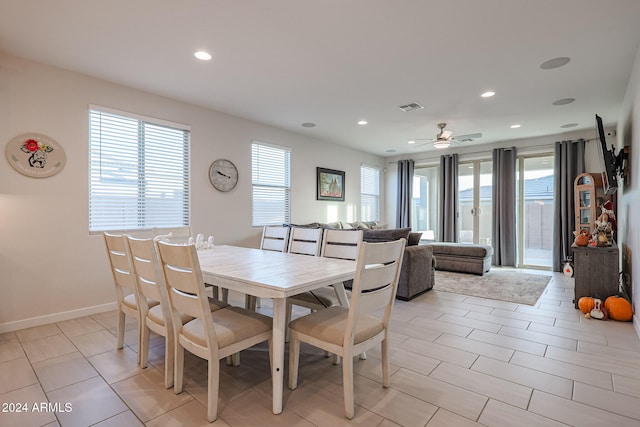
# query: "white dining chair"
[341,244]
[274,238]
[350,331]
[157,317]
[210,335]
[124,281]
[305,241]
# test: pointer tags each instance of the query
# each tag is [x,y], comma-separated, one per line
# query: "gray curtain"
[405,193]
[569,163]
[504,233]
[448,221]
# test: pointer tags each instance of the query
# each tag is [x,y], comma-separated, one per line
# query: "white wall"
[628,224]
[50,267]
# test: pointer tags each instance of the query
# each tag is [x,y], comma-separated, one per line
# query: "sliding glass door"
[424,204]
[535,211]
[474,202]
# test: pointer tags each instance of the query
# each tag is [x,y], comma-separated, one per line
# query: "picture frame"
[330,184]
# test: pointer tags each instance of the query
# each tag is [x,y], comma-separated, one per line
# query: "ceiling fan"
[445,137]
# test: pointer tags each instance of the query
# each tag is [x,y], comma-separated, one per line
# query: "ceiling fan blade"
[445,134]
[468,137]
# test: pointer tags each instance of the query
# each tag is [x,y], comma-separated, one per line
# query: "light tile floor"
[456,361]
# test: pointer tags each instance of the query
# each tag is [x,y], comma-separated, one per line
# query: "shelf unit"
[587,189]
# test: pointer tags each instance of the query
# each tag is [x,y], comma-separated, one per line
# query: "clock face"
[223,174]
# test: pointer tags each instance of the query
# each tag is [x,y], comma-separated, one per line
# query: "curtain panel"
[504,232]
[448,198]
[405,193]
[569,163]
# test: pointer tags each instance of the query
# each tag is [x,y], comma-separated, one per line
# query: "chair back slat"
[183,278]
[342,244]
[119,262]
[305,241]
[146,269]
[274,238]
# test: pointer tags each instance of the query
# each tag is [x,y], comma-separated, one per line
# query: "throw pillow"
[414,239]
[385,235]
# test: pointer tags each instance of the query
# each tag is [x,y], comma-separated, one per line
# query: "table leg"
[277,370]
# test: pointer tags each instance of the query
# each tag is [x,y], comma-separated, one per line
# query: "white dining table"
[275,275]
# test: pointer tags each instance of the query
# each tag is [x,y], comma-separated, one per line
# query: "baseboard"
[55,317]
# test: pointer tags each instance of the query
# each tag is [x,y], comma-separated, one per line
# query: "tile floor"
[456,361]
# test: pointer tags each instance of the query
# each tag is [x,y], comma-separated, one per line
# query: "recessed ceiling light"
[569,125]
[564,101]
[411,141]
[308,125]
[555,63]
[488,94]
[362,122]
[390,151]
[515,126]
[203,55]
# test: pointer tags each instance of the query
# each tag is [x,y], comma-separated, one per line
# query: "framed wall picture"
[330,184]
[35,155]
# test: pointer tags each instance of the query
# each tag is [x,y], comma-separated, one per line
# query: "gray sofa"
[462,258]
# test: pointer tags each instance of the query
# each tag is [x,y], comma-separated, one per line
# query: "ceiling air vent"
[410,107]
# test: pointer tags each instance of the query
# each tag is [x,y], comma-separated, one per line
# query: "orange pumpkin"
[618,308]
[586,304]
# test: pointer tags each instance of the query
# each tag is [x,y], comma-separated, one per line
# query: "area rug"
[499,284]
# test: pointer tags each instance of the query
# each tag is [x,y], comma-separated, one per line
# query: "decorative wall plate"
[35,155]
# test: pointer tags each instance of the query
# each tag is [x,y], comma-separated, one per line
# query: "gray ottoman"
[462,258]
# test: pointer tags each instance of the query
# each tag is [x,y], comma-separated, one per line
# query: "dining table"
[275,275]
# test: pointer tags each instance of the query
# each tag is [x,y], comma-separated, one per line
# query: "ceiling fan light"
[441,143]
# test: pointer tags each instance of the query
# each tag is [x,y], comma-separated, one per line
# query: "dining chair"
[156,318]
[342,244]
[274,238]
[350,331]
[305,241]
[182,235]
[210,335]
[124,280]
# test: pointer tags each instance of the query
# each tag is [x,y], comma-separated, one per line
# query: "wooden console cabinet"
[596,272]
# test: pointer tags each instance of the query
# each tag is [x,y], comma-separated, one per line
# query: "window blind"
[369,193]
[270,178]
[138,172]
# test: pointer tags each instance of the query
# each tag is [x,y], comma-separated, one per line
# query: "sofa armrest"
[416,274]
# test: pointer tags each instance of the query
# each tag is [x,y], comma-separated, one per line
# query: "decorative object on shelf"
[223,175]
[35,155]
[618,308]
[587,188]
[605,225]
[582,238]
[330,184]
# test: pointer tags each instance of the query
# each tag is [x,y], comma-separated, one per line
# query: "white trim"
[56,317]
[135,116]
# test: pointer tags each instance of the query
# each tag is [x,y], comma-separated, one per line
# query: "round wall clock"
[35,155]
[223,174]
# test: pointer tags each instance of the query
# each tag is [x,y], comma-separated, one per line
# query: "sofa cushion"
[460,249]
[414,239]
[390,234]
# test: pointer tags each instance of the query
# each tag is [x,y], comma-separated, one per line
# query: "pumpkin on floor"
[586,304]
[618,308]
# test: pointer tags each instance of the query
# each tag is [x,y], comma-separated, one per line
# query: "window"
[138,172]
[270,171]
[369,193]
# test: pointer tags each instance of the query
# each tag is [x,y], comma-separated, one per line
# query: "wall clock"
[223,175]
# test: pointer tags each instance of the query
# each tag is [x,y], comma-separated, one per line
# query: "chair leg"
[294,359]
[384,350]
[120,327]
[212,392]
[225,295]
[347,381]
[178,368]
[287,320]
[143,346]
[168,359]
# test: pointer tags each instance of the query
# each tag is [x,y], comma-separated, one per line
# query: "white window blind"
[138,172]
[369,193]
[270,169]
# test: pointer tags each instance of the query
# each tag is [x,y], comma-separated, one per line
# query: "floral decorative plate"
[35,155]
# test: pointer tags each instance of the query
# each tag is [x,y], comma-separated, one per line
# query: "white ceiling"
[334,62]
